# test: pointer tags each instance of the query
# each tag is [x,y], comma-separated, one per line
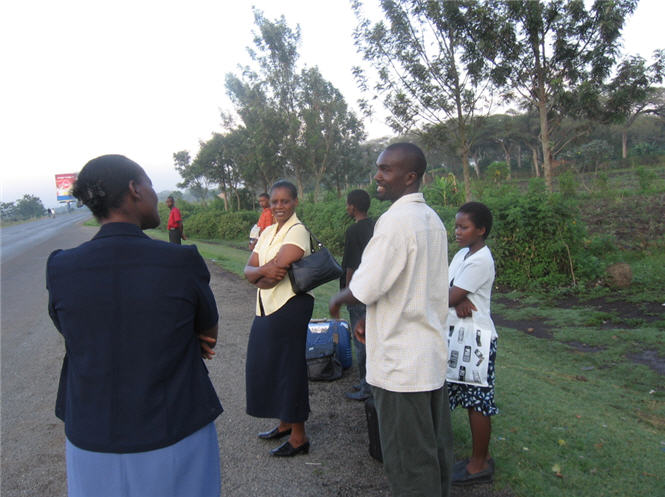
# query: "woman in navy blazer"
[137,316]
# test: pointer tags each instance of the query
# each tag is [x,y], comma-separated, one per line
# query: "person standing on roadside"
[471,274]
[175,222]
[355,240]
[137,316]
[276,369]
[403,281]
[266,219]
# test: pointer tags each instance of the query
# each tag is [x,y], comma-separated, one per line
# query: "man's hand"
[465,308]
[359,330]
[206,350]
[342,297]
[334,307]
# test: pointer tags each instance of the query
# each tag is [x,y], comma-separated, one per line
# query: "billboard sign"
[63,186]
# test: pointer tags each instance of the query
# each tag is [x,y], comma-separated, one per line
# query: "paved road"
[33,440]
[20,237]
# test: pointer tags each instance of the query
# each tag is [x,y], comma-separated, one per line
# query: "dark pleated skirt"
[276,371]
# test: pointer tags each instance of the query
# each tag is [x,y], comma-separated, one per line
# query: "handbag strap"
[312,238]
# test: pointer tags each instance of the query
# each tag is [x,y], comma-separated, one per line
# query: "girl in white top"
[471,274]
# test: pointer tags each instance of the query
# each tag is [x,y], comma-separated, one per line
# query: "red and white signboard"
[63,186]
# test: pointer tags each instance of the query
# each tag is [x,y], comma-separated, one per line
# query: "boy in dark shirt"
[355,240]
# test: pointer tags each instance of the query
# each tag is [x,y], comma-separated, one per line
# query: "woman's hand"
[207,340]
[465,308]
[272,271]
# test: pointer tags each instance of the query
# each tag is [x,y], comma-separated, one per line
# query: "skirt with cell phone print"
[480,399]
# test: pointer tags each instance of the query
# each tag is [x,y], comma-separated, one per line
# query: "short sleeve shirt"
[356,239]
[293,232]
[174,218]
[265,219]
[403,280]
[475,274]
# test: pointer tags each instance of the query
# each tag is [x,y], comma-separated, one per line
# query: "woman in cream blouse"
[276,371]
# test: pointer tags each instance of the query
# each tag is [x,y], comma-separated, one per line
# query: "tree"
[328,129]
[420,54]
[7,211]
[260,151]
[554,55]
[632,92]
[193,176]
[220,167]
[277,56]
[26,207]
[295,123]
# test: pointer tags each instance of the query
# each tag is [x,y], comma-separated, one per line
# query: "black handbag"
[315,269]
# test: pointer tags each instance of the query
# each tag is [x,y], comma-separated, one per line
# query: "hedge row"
[538,239]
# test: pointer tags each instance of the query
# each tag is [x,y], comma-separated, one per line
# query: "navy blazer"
[130,309]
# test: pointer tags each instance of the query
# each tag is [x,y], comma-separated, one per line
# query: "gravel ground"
[33,461]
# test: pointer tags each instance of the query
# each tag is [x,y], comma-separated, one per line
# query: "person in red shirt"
[264,221]
[175,223]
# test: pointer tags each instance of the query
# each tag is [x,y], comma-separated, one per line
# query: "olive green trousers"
[416,441]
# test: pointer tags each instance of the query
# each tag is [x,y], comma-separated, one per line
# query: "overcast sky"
[145,78]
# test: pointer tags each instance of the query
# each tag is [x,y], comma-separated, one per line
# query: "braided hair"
[103,183]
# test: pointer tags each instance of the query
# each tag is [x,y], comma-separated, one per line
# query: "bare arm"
[457,298]
[343,297]
[349,275]
[273,271]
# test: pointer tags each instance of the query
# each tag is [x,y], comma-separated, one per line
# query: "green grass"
[605,432]
[596,417]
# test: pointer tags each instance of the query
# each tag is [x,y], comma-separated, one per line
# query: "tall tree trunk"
[545,142]
[506,155]
[466,174]
[534,156]
[301,188]
[226,200]
[624,143]
[541,101]
[519,156]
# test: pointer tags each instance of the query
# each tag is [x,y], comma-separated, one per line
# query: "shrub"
[646,178]
[209,224]
[568,184]
[443,190]
[537,238]
[498,171]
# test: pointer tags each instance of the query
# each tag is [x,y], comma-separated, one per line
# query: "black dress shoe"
[461,464]
[359,395]
[462,478]
[274,433]
[287,450]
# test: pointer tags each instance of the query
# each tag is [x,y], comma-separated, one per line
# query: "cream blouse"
[293,232]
